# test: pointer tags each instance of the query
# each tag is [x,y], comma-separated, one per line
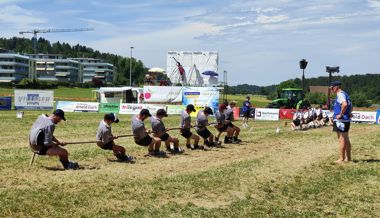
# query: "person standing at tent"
[341,120]
[246,111]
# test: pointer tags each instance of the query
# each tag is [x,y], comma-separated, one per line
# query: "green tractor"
[290,98]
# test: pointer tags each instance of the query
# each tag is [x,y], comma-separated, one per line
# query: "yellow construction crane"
[35,31]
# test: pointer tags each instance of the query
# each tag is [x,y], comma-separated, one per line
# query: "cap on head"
[190,107]
[335,83]
[112,117]
[208,110]
[222,107]
[145,112]
[60,113]
[233,103]
[161,112]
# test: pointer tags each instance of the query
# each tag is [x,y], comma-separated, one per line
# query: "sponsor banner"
[136,108]
[66,106]
[175,109]
[287,113]
[86,107]
[5,103]
[364,116]
[34,99]
[109,108]
[201,96]
[267,114]
[163,94]
[378,117]
[251,113]
[72,106]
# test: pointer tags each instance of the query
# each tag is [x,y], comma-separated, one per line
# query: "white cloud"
[19,17]
[374,4]
[152,47]
[241,24]
[265,10]
[5,2]
[249,35]
[263,19]
[72,11]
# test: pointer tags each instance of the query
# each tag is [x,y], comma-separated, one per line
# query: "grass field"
[61,93]
[290,174]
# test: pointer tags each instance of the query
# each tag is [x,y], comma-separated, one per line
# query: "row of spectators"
[310,118]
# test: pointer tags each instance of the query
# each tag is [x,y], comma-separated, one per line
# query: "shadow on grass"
[367,161]
[157,156]
[80,168]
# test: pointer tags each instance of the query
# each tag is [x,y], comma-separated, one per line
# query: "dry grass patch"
[281,175]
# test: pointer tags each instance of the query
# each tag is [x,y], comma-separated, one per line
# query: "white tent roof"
[114,89]
[156,70]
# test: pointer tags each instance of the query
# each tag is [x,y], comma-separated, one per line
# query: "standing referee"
[246,111]
[341,120]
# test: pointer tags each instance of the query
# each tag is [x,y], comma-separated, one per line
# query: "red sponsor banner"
[287,113]
[236,111]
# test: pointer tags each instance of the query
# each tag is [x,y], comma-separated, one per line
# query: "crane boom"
[35,31]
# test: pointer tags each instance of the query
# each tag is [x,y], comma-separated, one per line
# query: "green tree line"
[24,46]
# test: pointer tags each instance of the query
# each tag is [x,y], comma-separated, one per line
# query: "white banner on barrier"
[72,106]
[359,116]
[34,99]
[267,114]
[164,94]
[136,108]
[364,116]
[86,107]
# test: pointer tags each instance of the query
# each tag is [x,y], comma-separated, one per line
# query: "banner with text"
[5,103]
[163,94]
[34,99]
[364,116]
[109,108]
[136,108]
[267,114]
[378,117]
[72,106]
[201,96]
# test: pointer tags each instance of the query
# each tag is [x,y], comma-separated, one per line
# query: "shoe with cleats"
[227,140]
[198,147]
[157,153]
[127,159]
[72,166]
[235,140]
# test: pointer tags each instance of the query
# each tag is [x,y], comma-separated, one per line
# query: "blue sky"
[259,42]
